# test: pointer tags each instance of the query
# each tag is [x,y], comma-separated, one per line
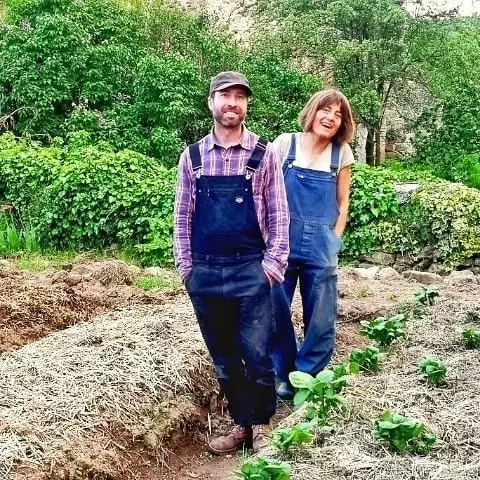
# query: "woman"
[316,167]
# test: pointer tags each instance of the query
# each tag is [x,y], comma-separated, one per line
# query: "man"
[230,245]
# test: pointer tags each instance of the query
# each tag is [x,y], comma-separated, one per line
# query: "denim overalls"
[314,246]
[229,290]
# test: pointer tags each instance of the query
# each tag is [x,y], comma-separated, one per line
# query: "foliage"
[434,369]
[373,199]
[261,469]
[366,359]
[445,143]
[472,337]
[363,44]
[286,438]
[445,217]
[15,239]
[384,330]
[320,392]
[426,295]
[135,76]
[88,196]
[403,434]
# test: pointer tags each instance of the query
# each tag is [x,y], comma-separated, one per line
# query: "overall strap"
[195,157]
[335,160]
[257,155]
[292,150]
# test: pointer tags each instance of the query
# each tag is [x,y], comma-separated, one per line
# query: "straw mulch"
[35,304]
[72,403]
[452,412]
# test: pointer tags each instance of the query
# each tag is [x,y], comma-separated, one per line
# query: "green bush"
[444,216]
[373,199]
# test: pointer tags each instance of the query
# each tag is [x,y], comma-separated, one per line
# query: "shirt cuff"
[273,269]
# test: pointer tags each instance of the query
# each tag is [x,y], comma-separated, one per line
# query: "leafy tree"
[447,134]
[363,44]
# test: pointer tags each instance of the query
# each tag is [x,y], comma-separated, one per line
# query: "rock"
[405,191]
[5,263]
[461,276]
[366,272]
[438,268]
[466,262]
[136,271]
[380,258]
[388,272]
[476,262]
[423,277]
[403,261]
[365,265]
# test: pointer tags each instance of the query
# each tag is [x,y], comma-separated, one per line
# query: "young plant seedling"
[320,392]
[426,295]
[384,330]
[366,359]
[403,434]
[472,337]
[261,469]
[286,438]
[434,369]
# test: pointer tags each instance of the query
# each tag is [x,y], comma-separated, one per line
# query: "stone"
[136,271]
[438,268]
[388,272]
[366,272]
[155,271]
[5,263]
[405,191]
[461,276]
[380,258]
[423,277]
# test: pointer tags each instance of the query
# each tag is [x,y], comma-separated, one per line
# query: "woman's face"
[327,121]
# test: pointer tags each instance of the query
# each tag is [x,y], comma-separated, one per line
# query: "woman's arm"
[343,197]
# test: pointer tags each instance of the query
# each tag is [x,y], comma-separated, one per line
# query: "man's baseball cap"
[229,79]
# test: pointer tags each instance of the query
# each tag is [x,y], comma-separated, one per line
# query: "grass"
[148,282]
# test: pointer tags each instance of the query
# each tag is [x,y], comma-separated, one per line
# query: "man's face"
[229,106]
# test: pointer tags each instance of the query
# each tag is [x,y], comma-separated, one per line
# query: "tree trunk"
[378,145]
[370,146]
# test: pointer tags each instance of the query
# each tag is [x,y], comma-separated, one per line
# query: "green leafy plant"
[366,359]
[426,295]
[434,369]
[472,337]
[320,392]
[286,438]
[403,434]
[384,330]
[261,469]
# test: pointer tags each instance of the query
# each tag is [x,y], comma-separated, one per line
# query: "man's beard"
[228,122]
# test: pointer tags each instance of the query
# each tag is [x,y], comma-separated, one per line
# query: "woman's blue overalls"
[314,247]
[230,292]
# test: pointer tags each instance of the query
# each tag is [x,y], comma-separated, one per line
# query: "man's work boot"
[228,443]
[260,435]
[285,391]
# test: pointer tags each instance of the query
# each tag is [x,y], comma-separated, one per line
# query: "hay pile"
[451,412]
[72,402]
[31,306]
[34,304]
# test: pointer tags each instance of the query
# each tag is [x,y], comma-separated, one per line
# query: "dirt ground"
[34,305]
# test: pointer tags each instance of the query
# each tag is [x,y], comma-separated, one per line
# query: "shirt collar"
[247,142]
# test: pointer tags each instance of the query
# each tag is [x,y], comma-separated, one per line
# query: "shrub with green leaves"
[435,370]
[261,469]
[320,392]
[472,337]
[404,435]
[366,359]
[384,330]
[286,438]
[373,199]
[426,295]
